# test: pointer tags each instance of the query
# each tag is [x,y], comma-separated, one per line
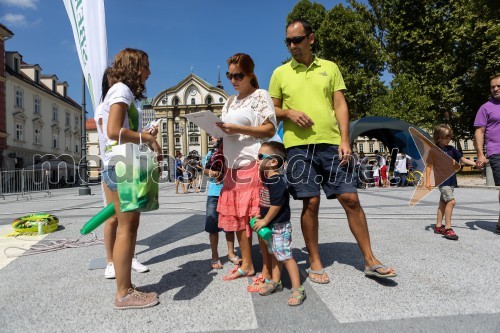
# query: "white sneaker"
[138,267]
[109,273]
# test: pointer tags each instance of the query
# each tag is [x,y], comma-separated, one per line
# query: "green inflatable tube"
[98,219]
[264,233]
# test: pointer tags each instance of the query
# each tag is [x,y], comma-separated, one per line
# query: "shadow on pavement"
[342,253]
[177,252]
[183,229]
[485,225]
[192,277]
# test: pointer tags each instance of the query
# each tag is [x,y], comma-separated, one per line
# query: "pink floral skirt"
[240,198]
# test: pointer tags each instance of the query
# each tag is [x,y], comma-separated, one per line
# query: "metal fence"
[22,183]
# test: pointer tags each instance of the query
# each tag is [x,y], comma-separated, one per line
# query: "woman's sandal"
[270,288]
[236,273]
[300,296]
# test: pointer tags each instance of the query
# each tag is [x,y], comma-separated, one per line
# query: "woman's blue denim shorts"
[109,177]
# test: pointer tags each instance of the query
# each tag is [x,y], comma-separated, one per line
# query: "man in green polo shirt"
[308,94]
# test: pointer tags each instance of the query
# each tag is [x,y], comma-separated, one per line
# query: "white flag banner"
[89,29]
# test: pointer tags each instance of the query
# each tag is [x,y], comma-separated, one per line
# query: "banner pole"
[84,188]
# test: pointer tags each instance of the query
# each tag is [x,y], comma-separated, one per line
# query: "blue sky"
[179,36]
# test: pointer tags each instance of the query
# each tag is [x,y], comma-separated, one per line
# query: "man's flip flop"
[316,280]
[372,272]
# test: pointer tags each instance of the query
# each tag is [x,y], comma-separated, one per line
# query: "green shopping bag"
[137,177]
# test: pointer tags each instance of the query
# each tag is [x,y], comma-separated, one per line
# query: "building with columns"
[192,94]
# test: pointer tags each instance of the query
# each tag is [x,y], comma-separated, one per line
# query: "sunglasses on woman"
[295,40]
[236,76]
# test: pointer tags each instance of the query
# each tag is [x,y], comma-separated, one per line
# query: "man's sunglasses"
[295,40]
[264,156]
[236,76]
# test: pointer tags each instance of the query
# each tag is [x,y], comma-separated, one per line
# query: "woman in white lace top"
[248,118]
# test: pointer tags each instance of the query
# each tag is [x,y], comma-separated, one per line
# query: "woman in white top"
[248,119]
[121,119]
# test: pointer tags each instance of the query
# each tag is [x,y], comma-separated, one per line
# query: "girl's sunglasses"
[265,156]
[236,76]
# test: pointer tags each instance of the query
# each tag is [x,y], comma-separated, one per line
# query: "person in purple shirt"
[487,125]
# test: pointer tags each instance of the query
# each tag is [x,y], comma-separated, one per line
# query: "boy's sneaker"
[439,230]
[136,300]
[109,273]
[138,267]
[450,234]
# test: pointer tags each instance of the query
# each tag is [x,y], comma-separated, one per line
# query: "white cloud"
[14,19]
[31,4]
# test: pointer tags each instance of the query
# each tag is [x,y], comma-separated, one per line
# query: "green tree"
[348,39]
[450,47]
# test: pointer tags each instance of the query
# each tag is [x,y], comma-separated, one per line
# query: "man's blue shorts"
[495,167]
[109,177]
[315,166]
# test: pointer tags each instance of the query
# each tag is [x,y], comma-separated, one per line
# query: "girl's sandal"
[297,298]
[235,260]
[270,288]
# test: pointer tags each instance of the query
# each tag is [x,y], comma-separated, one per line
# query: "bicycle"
[413,177]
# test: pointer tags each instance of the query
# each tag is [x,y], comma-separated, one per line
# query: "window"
[209,100]
[381,148]
[37,76]
[221,100]
[193,140]
[77,148]
[37,105]
[55,140]
[165,141]
[193,102]
[37,136]
[68,143]
[360,147]
[19,98]
[466,145]
[55,113]
[77,121]
[19,132]
[65,91]
[192,127]
[16,65]
[370,147]
[175,101]
[54,85]
[68,120]
[177,141]
[164,126]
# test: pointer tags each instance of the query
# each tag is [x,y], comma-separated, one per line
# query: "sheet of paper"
[207,121]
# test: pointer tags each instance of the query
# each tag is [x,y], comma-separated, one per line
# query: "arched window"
[209,100]
[193,102]
[221,100]
[175,101]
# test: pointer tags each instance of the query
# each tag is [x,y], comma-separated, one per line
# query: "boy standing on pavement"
[308,94]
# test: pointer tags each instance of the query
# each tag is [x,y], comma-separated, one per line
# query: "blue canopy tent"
[393,133]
